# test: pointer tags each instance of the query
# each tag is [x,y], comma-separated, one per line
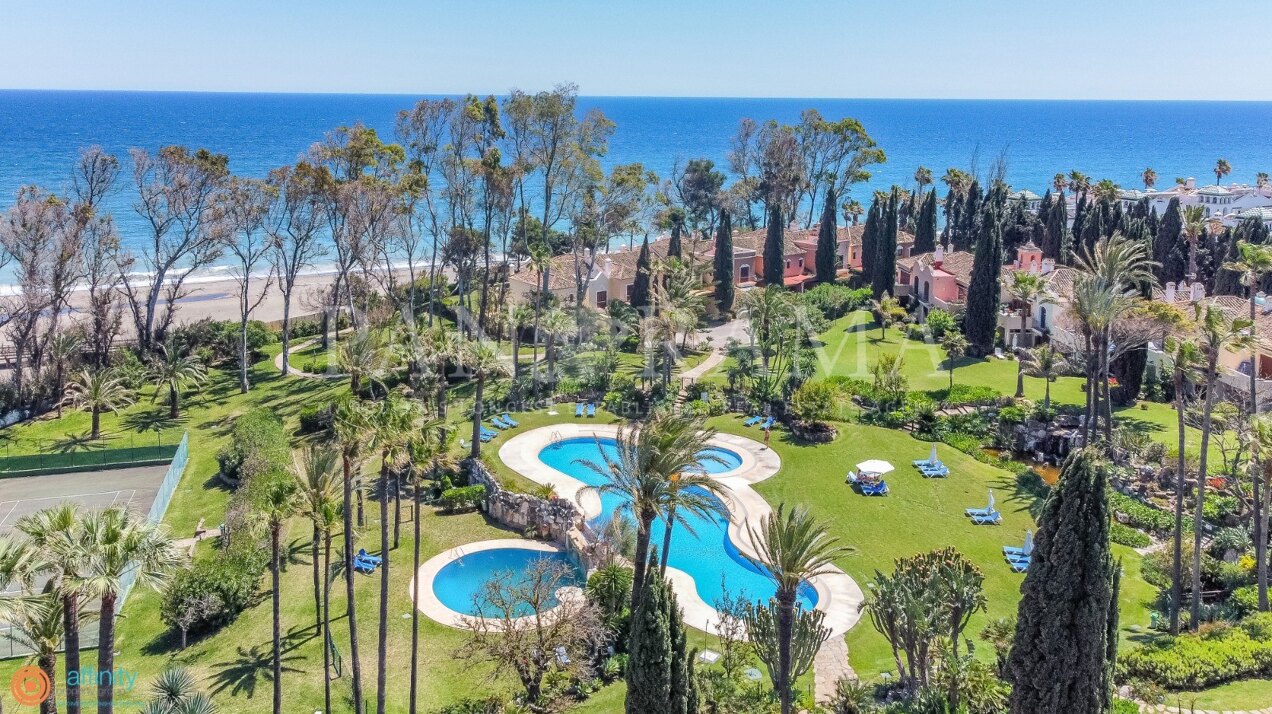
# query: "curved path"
[838,595]
[293,370]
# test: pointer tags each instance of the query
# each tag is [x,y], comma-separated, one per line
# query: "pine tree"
[774,248]
[1055,245]
[925,227]
[826,262]
[659,670]
[1169,248]
[1059,658]
[885,262]
[980,322]
[870,241]
[722,266]
[640,287]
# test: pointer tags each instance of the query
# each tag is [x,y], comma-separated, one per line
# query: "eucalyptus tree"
[1253,264]
[792,547]
[177,195]
[833,154]
[94,177]
[245,204]
[697,188]
[294,222]
[423,132]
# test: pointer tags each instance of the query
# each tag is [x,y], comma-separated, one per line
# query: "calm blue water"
[41,133]
[460,583]
[701,547]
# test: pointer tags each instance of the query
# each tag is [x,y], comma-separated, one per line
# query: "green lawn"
[313,358]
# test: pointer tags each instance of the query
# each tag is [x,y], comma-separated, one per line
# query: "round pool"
[460,584]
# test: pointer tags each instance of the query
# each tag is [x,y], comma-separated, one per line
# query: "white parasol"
[874,466]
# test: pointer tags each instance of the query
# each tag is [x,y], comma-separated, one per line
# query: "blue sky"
[1075,49]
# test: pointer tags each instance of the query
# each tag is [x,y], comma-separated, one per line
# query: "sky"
[1076,49]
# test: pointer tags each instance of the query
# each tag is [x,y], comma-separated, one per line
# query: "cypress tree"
[1080,215]
[674,249]
[925,227]
[828,241]
[1055,245]
[659,670]
[1169,250]
[722,267]
[1092,227]
[1059,658]
[885,262]
[1223,250]
[640,286]
[980,322]
[969,217]
[870,241]
[951,217]
[774,248]
[681,696]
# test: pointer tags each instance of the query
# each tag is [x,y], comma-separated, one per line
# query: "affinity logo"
[30,686]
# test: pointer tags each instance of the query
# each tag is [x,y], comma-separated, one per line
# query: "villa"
[1230,204]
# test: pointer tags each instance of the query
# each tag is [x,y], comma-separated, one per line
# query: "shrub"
[465,497]
[1216,655]
[490,704]
[219,588]
[1245,599]
[1217,508]
[814,401]
[257,445]
[967,395]
[1144,516]
[940,322]
[834,301]
[315,419]
[915,332]
[1125,535]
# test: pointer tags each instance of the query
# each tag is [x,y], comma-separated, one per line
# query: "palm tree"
[1149,177]
[277,501]
[792,548]
[555,323]
[955,346]
[36,622]
[1261,457]
[175,691]
[1261,179]
[98,391]
[1185,359]
[428,456]
[391,423]
[122,544]
[170,369]
[1105,190]
[317,475]
[1026,289]
[362,357]
[1047,363]
[441,347]
[853,210]
[350,425]
[1215,335]
[1222,168]
[1079,182]
[520,317]
[63,348]
[923,178]
[688,492]
[56,536]
[646,458]
[1059,182]
[1194,218]
[484,362]
[1253,263]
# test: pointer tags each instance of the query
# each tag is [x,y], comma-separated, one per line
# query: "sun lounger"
[987,519]
[925,463]
[709,656]
[768,423]
[488,432]
[875,489]
[578,410]
[591,410]
[362,553]
[935,473]
[362,565]
[500,423]
[1019,566]
[973,512]
[752,421]
[1011,551]
[510,421]
[851,478]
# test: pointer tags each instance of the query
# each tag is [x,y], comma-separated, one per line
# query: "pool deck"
[838,595]
[427,600]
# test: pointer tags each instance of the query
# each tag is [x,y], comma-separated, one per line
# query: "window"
[927,291]
[744,272]
[1042,318]
[602,299]
[629,291]
[788,262]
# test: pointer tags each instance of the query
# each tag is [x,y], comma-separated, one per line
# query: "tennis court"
[134,488]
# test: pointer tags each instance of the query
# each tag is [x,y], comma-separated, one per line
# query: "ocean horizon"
[42,132]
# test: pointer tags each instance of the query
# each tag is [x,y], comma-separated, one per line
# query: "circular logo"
[30,686]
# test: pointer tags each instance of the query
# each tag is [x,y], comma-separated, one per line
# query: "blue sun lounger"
[940,472]
[1019,566]
[874,489]
[973,512]
[1011,551]
[578,410]
[992,518]
[591,410]
[926,463]
[768,423]
[364,566]
[374,559]
[752,421]
[487,434]
[509,420]
[500,423]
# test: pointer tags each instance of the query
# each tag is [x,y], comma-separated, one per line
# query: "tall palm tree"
[1261,179]
[98,391]
[277,500]
[1222,168]
[121,544]
[64,347]
[482,360]
[1027,289]
[688,492]
[1079,182]
[432,456]
[56,536]
[1047,363]
[853,210]
[317,475]
[955,346]
[391,421]
[1059,182]
[792,548]
[1253,263]
[350,425]
[1105,190]
[170,370]
[1216,334]
[1149,177]
[363,357]
[646,458]
[1261,457]
[520,317]
[1185,360]
[923,179]
[36,622]
[441,346]
[555,324]
[1194,218]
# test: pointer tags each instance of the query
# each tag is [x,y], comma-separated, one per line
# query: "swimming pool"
[459,583]
[703,549]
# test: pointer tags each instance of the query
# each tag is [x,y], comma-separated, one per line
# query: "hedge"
[1125,535]
[453,499]
[1220,654]
[1144,516]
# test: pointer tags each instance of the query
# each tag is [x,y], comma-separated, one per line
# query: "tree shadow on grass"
[241,674]
[72,443]
[155,420]
[1026,492]
[1136,424]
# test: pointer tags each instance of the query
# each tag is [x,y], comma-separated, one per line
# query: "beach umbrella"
[875,466]
[932,455]
[1028,546]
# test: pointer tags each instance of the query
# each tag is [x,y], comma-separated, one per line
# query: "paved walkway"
[293,370]
[1184,709]
[829,666]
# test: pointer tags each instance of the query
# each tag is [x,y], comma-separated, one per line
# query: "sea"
[42,132]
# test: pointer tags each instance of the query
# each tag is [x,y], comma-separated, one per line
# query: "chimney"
[1048,265]
[1190,182]
[1198,291]
[938,258]
[1170,292]
[608,266]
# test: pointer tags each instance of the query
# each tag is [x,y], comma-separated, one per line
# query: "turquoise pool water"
[703,550]
[460,582]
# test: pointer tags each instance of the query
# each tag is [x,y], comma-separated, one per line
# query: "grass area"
[1249,694]
[312,358]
